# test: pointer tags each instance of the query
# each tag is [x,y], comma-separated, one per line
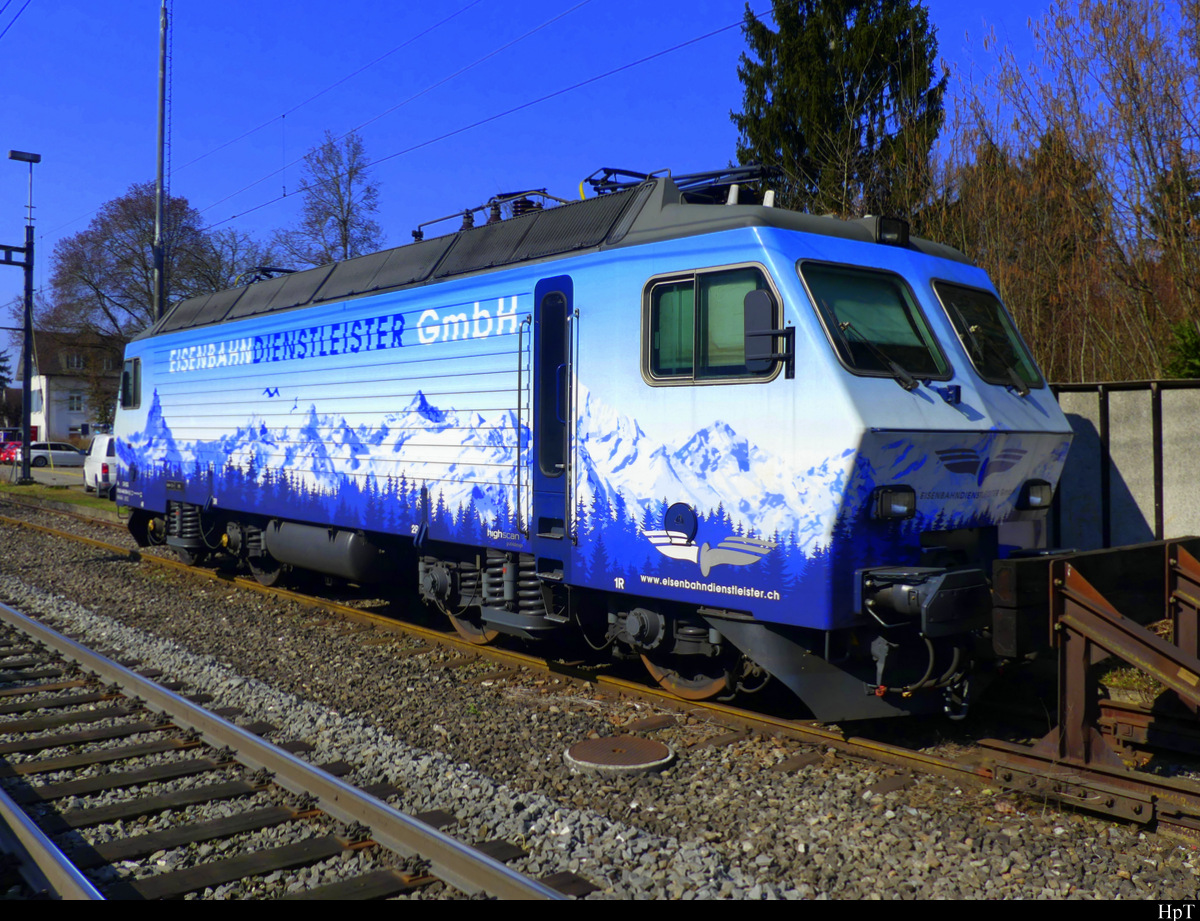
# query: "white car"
[100,466]
[55,454]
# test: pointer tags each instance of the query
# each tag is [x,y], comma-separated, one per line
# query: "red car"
[10,452]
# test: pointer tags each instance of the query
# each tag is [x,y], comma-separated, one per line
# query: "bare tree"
[340,203]
[101,279]
[229,255]
[1079,188]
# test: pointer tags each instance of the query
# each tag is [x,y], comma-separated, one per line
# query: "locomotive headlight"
[892,231]
[894,502]
[1035,494]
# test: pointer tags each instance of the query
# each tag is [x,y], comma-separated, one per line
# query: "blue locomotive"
[738,442]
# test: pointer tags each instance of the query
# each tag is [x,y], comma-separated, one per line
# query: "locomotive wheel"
[266,571]
[699,680]
[190,557]
[473,631]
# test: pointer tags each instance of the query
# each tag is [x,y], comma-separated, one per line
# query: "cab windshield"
[873,321]
[988,335]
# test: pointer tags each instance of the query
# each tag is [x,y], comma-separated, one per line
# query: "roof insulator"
[524,206]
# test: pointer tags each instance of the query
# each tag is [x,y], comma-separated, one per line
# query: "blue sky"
[80,81]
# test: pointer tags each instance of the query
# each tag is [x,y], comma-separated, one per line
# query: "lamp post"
[27,263]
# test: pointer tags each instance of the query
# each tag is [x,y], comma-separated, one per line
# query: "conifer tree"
[844,101]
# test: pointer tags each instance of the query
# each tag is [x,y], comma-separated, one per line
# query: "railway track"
[737,796]
[734,717]
[77,728]
[997,763]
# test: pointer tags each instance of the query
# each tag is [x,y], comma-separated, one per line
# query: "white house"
[71,374]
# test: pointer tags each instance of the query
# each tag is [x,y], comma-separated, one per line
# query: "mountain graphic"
[714,468]
[463,458]
[466,459]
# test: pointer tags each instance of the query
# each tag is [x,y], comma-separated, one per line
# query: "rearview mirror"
[759,322]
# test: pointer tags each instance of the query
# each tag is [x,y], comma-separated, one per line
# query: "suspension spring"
[493,578]
[183,521]
[529,588]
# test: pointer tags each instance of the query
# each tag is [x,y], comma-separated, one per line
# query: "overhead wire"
[289,111]
[334,85]
[15,18]
[427,89]
[480,122]
[488,119]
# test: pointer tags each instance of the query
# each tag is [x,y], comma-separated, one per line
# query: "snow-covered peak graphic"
[422,407]
[715,469]
[156,439]
[716,446]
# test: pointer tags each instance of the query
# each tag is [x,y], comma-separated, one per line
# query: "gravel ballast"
[720,821]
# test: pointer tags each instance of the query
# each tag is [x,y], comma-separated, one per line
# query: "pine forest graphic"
[816,521]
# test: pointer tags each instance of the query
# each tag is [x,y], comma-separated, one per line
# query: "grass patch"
[1126,678]
[1133,683]
[58,494]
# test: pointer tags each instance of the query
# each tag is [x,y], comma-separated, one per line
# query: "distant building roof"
[76,354]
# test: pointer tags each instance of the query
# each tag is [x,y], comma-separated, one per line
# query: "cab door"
[553,414]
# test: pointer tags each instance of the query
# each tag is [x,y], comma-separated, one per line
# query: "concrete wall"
[1079,522]
[1126,449]
[1181,462]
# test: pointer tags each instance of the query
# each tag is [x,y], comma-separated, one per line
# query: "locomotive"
[737,442]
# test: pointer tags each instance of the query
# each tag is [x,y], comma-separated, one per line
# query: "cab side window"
[131,384]
[694,326]
[672,312]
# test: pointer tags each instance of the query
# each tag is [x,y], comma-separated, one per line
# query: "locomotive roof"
[654,211]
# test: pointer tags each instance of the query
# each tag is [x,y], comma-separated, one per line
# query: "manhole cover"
[619,755]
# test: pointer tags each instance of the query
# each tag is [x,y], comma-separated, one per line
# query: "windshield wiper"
[903,378]
[1018,384]
[969,331]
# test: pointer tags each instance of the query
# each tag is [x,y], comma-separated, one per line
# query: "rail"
[1099,781]
[45,869]
[451,860]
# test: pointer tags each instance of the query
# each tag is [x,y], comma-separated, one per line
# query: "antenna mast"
[160,274]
